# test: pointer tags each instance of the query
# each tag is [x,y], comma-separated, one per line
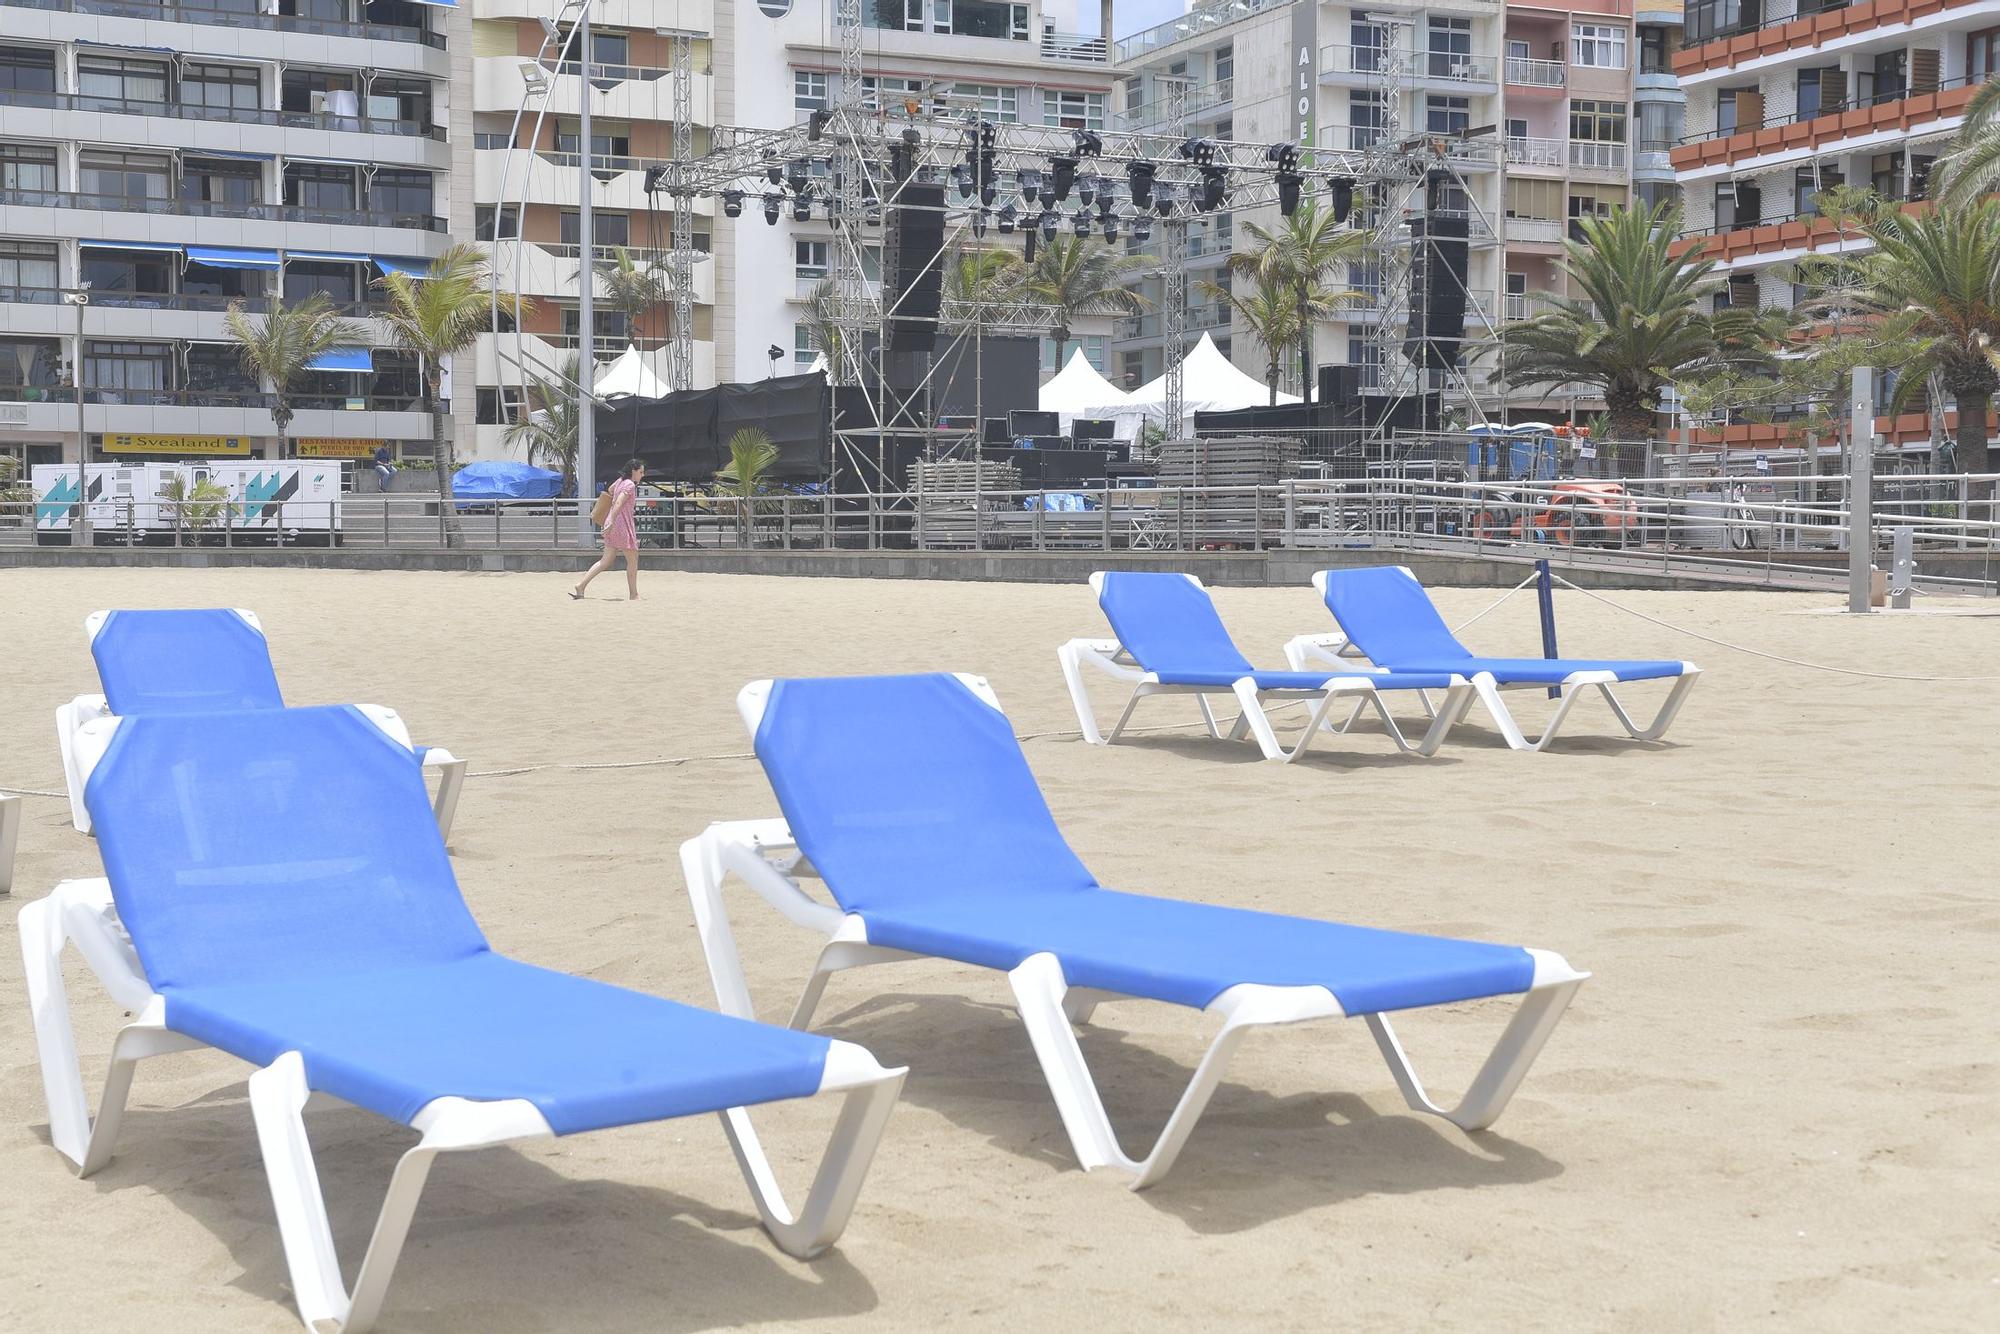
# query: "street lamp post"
[80,516]
[586,313]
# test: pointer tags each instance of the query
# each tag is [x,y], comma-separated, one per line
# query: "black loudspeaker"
[1437,290]
[1340,387]
[995,432]
[915,281]
[1033,422]
[1091,428]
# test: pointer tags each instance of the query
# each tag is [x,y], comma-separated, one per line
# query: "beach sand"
[1773,1106]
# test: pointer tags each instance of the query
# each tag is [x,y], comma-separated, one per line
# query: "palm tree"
[1933,286]
[1970,166]
[1081,276]
[751,455]
[1302,257]
[630,288]
[980,272]
[1639,325]
[1272,318]
[546,430]
[278,347]
[435,318]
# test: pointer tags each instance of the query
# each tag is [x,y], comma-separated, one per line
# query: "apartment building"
[1022,63]
[528,177]
[160,159]
[1565,110]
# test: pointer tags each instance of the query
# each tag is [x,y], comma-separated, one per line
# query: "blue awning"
[409,268]
[218,257]
[326,256]
[132,245]
[441,4]
[349,360]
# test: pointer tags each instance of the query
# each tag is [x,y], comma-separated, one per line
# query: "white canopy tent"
[1078,390]
[630,377]
[1210,382]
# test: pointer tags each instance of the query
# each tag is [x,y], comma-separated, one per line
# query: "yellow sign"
[336,449]
[207,446]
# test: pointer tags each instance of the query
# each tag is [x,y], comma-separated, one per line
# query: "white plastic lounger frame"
[82,912]
[1303,651]
[1109,657]
[10,840]
[71,717]
[764,856]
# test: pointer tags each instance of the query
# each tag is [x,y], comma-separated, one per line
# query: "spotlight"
[1199,151]
[656,180]
[979,223]
[871,211]
[732,203]
[1081,222]
[1064,169]
[773,201]
[1343,198]
[1111,227]
[1214,182]
[1104,205]
[802,207]
[1088,144]
[797,171]
[1289,183]
[911,137]
[1139,178]
[961,179]
[1031,183]
[1007,216]
[989,189]
[1164,198]
[1086,188]
[1142,228]
[1049,225]
[1285,155]
[816,125]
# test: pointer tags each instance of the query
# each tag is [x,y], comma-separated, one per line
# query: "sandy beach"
[1773,1106]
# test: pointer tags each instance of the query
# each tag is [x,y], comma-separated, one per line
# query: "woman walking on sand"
[620,532]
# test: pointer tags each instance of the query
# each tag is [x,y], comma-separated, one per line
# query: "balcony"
[1899,112]
[1526,73]
[1532,152]
[194,302]
[1199,20]
[289,120]
[1527,305]
[1534,231]
[1587,155]
[1201,102]
[1073,48]
[249,16]
[186,208]
[1346,63]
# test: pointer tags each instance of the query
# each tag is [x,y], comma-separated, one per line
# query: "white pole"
[1860,489]
[586,357]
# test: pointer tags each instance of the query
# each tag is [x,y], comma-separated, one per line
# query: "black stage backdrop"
[685,437]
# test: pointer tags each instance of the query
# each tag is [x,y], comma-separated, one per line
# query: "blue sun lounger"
[911,800]
[1385,615]
[201,660]
[1171,642]
[285,897]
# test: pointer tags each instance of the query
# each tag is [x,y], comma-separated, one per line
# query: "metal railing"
[1536,152]
[201,208]
[1593,156]
[256,303]
[1537,73]
[245,15]
[1198,21]
[1771,531]
[1837,106]
[1447,66]
[290,120]
[1074,47]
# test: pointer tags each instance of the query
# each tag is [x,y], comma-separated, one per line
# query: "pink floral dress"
[619,532]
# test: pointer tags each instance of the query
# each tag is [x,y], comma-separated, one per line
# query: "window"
[27,69]
[804,350]
[1368,356]
[1816,98]
[1807,182]
[611,324]
[128,371]
[148,272]
[607,228]
[497,406]
[1447,115]
[1135,92]
[1655,194]
[404,100]
[1594,201]
[808,90]
[1738,293]
[501,224]
[319,92]
[118,80]
[215,368]
[1367,114]
[1054,358]
[1656,53]
[121,175]
[1598,45]
[221,181]
[1517,284]
[401,193]
[1450,50]
[809,263]
[27,167]
[1982,54]
[341,282]
[1597,122]
[323,185]
[1368,42]
[1885,174]
[607,138]
[1738,204]
[1225,71]
[993,101]
[1073,111]
[202,280]
[874,88]
[219,87]
[1660,125]
[967,18]
[1533,199]
[28,362]
[1366,276]
[610,48]
[28,264]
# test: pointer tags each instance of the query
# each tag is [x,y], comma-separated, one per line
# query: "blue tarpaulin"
[479,483]
[345,360]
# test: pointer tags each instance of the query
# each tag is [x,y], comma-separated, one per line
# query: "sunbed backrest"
[1387,614]
[253,846]
[1168,624]
[907,788]
[201,661]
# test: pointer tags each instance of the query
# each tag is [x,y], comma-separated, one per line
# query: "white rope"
[1759,653]
[31,792]
[1503,597]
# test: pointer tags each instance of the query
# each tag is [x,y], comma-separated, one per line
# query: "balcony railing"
[1201,20]
[290,120]
[1152,115]
[198,302]
[1593,156]
[232,398]
[196,208]
[1536,73]
[1711,21]
[610,76]
[245,15]
[1835,108]
[1527,305]
[1449,66]
[1075,47]
[1534,229]
[1532,152]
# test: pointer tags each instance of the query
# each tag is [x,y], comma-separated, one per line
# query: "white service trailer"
[290,500]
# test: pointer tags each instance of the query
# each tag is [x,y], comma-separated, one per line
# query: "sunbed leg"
[1125,715]
[66,724]
[451,779]
[1080,1003]
[870,1094]
[701,866]
[1661,721]
[839,955]
[1245,690]
[10,841]
[1488,692]
[1504,1069]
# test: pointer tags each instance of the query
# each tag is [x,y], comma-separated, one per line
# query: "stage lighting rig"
[1214,189]
[1286,156]
[1007,215]
[1088,144]
[802,206]
[773,173]
[1081,222]
[1289,185]
[979,223]
[797,172]
[773,201]
[816,125]
[1142,227]
[1049,225]
[732,203]
[1201,152]
[1111,227]
[1139,179]
[1063,170]
[1086,188]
